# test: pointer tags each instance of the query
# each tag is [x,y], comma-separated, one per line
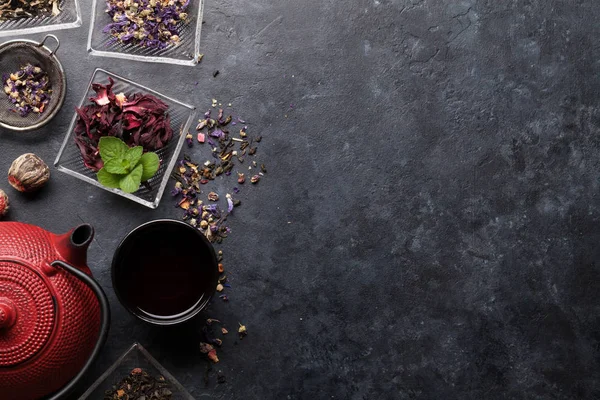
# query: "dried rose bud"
[212,355]
[203,224]
[3,203]
[255,179]
[136,371]
[241,178]
[224,331]
[212,196]
[221,268]
[219,287]
[28,173]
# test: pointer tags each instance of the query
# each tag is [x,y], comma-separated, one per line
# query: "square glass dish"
[135,357]
[69,159]
[69,17]
[186,52]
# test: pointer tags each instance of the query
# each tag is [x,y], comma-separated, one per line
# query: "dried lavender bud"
[3,203]
[28,173]
[28,89]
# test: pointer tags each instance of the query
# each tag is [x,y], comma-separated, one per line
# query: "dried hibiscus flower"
[139,120]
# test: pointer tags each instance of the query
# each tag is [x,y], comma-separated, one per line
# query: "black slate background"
[428,226]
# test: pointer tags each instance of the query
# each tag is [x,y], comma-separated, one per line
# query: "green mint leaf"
[117,166]
[131,182]
[107,179]
[134,154]
[111,147]
[150,162]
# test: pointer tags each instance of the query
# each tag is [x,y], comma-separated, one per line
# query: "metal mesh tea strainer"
[13,55]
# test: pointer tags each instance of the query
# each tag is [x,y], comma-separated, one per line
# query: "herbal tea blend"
[28,89]
[12,9]
[147,23]
[138,120]
[190,176]
[140,385]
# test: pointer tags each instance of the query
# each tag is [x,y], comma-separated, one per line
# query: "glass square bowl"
[69,159]
[69,17]
[135,357]
[186,52]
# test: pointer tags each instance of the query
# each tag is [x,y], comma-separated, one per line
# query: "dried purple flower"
[217,133]
[147,23]
[28,89]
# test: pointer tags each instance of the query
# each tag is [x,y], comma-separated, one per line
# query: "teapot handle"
[105,324]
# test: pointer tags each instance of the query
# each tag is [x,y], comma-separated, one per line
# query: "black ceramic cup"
[165,272]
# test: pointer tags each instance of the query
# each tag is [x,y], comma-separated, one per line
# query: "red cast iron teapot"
[54,317]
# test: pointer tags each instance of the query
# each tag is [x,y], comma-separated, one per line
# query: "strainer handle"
[53,37]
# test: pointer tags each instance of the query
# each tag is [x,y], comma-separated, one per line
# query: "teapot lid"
[27,312]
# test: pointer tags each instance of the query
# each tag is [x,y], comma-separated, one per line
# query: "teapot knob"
[8,313]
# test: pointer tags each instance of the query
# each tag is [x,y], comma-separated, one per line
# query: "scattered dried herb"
[140,385]
[12,9]
[148,23]
[138,120]
[28,89]
[212,196]
[242,331]
[210,352]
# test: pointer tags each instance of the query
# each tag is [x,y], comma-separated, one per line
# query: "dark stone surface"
[428,228]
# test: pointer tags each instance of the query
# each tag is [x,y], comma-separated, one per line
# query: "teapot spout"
[72,246]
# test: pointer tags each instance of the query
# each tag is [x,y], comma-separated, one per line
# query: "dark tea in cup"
[165,272]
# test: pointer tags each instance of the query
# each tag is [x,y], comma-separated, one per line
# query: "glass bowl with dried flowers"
[166,31]
[125,138]
[34,16]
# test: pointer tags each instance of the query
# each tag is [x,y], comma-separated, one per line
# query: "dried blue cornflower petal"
[217,133]
[229,203]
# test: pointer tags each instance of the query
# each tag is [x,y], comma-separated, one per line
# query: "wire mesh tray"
[70,161]
[186,52]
